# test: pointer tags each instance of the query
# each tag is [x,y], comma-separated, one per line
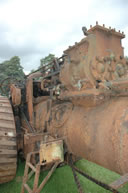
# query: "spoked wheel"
[8,147]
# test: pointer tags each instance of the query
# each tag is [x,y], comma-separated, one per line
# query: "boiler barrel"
[100,134]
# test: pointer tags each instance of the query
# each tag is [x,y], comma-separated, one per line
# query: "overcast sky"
[31,29]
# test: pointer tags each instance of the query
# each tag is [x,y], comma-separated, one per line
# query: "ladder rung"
[30,174]
[31,166]
[27,188]
[47,177]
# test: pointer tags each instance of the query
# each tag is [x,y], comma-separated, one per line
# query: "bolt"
[96,22]
[90,26]
[103,25]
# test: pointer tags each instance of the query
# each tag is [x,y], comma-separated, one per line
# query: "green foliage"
[32,71]
[62,180]
[44,61]
[11,69]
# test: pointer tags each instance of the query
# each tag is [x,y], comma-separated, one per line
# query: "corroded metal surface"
[15,94]
[99,56]
[51,152]
[8,149]
[99,134]
[92,111]
[95,76]
[82,97]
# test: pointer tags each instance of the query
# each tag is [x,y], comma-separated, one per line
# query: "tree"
[44,61]
[32,71]
[10,70]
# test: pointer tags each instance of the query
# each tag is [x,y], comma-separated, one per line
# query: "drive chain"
[75,169]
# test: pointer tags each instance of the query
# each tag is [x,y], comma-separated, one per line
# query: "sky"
[31,29]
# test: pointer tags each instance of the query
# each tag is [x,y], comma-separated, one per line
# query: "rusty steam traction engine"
[81,98]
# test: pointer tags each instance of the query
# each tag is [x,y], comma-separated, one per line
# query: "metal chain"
[75,175]
[103,185]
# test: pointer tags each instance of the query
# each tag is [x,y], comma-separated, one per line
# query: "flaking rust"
[80,98]
[51,152]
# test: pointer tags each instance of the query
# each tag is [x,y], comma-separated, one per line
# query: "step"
[120,182]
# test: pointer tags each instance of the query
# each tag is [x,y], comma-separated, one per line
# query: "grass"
[62,180]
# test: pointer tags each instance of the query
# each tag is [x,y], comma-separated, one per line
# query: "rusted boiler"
[80,98]
[91,110]
[95,75]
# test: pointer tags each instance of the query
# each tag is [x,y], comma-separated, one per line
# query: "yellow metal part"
[51,152]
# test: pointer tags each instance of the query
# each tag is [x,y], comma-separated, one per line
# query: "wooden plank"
[30,174]
[8,147]
[8,160]
[7,166]
[120,182]
[27,188]
[6,179]
[7,138]
[7,129]
[7,142]
[7,173]
[36,180]
[7,124]
[47,177]
[7,116]
[4,99]
[4,104]
[7,152]
[7,134]
[6,110]
[31,166]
